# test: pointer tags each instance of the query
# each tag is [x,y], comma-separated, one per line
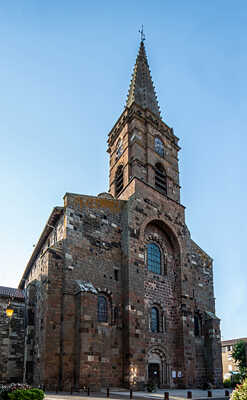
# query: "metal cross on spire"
[142,34]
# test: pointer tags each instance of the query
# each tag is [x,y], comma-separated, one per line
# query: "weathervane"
[142,34]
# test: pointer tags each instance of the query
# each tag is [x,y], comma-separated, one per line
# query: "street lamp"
[9,310]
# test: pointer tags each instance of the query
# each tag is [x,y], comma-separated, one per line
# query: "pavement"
[174,394]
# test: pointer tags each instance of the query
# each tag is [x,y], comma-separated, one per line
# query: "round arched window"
[159,147]
[102,309]
[154,319]
[119,149]
[154,258]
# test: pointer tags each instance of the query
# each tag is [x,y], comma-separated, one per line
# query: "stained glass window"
[154,258]
[102,309]
[154,320]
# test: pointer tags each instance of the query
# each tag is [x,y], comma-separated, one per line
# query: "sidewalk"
[174,394]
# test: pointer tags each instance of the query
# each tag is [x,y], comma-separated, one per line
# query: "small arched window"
[159,147]
[115,315]
[154,258]
[119,180]
[160,178]
[119,149]
[154,319]
[197,325]
[102,309]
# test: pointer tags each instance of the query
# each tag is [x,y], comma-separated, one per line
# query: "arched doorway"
[157,368]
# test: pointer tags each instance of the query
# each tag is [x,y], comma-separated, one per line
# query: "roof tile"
[11,292]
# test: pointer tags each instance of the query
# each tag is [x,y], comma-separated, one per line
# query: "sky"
[65,69]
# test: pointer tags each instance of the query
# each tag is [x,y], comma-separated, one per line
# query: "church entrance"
[154,373]
[157,368]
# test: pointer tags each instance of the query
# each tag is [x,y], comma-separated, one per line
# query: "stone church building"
[117,293]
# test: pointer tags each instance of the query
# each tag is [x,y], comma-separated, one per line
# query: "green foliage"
[240,393]
[29,394]
[6,389]
[236,379]
[239,356]
[227,383]
[231,382]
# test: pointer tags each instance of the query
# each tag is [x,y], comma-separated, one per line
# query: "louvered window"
[160,178]
[119,180]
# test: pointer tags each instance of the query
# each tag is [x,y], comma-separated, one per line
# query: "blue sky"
[65,68]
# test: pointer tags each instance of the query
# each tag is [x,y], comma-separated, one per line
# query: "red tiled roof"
[11,292]
[232,341]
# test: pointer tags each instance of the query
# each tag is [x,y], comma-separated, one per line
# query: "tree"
[239,356]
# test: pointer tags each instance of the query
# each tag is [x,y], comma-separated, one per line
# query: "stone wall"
[11,341]
[103,252]
[100,249]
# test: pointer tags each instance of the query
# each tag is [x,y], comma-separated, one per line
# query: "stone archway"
[158,368]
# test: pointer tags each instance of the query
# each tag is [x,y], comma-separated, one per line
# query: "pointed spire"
[141,89]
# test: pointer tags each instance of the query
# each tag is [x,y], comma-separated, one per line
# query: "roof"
[210,315]
[142,91]
[11,292]
[203,252]
[56,213]
[233,341]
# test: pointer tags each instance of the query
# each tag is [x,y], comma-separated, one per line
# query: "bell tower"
[141,146]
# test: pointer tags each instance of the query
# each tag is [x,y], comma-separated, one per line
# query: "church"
[117,293]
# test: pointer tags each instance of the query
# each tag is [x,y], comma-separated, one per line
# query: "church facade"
[117,293]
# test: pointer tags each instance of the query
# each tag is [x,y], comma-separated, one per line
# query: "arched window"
[154,258]
[119,180]
[197,325]
[119,149]
[159,147]
[115,315]
[160,178]
[102,309]
[154,319]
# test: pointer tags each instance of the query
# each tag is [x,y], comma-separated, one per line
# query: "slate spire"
[141,89]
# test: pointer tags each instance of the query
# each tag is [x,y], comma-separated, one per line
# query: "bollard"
[227,393]
[189,395]
[71,389]
[108,392]
[209,393]
[131,393]
[166,395]
[88,391]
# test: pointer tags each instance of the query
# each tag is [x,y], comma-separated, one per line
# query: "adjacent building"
[228,364]
[11,335]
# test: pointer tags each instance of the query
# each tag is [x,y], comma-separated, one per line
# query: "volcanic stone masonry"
[117,293]
[11,335]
